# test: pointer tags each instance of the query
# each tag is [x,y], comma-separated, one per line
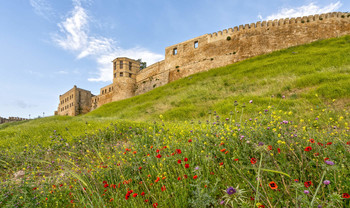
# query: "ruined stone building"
[11,119]
[206,52]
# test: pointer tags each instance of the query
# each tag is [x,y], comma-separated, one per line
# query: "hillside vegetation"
[309,76]
[271,131]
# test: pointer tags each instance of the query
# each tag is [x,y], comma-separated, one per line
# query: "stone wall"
[151,77]
[214,50]
[11,119]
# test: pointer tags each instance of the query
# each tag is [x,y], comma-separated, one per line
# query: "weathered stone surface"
[215,50]
[74,102]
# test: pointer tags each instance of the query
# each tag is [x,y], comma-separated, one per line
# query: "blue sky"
[48,46]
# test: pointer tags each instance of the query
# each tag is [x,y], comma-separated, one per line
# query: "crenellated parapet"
[220,35]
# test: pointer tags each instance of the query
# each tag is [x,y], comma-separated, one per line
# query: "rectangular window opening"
[174,51]
[130,75]
[130,66]
[121,64]
[121,74]
[196,44]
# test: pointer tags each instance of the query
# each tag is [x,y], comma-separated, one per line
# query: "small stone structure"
[11,119]
[214,50]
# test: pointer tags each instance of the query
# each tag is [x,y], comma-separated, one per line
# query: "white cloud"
[62,72]
[305,10]
[75,36]
[42,8]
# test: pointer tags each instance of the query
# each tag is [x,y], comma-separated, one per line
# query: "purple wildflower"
[326,182]
[306,192]
[230,190]
[329,162]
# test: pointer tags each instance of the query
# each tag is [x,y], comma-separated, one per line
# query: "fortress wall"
[250,40]
[151,77]
[209,51]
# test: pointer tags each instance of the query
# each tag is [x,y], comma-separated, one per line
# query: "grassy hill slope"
[299,73]
[309,76]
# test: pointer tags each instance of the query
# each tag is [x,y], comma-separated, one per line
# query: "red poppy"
[186,159]
[221,163]
[211,173]
[140,168]
[261,206]
[312,140]
[253,160]
[179,161]
[158,156]
[187,165]
[134,195]
[348,143]
[296,180]
[190,140]
[155,205]
[307,184]
[273,185]
[178,151]
[146,200]
[163,188]
[317,154]
[278,150]
[111,200]
[223,150]
[157,150]
[72,201]
[179,178]
[195,177]
[329,143]
[185,176]
[235,159]
[106,185]
[308,149]
[143,193]
[269,147]
[326,159]
[345,195]
[319,144]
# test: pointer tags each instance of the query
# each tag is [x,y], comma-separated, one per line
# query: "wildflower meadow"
[265,159]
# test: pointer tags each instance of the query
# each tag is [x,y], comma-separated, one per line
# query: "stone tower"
[124,77]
